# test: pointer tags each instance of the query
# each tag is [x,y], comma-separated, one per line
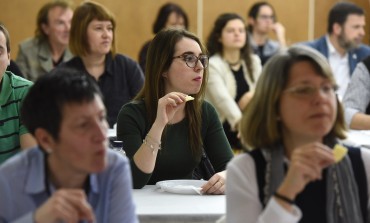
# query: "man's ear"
[45,139]
[337,29]
[251,21]
[45,28]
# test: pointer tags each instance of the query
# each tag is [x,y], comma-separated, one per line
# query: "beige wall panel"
[135,18]
[293,14]
[19,16]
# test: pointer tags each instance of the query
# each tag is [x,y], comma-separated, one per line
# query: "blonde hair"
[259,126]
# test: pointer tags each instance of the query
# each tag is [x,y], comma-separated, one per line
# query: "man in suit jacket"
[342,45]
[49,47]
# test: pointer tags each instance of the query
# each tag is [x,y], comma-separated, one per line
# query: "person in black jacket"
[92,41]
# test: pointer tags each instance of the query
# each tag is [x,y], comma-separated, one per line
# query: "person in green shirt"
[13,135]
[164,133]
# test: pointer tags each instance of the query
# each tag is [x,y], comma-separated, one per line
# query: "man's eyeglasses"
[267,17]
[191,60]
[308,91]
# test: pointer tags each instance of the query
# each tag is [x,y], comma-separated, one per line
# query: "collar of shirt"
[333,52]
[6,88]
[35,182]
[108,68]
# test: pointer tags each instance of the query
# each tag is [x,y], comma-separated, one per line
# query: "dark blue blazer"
[354,56]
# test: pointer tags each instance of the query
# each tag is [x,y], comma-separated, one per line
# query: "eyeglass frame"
[182,56]
[266,17]
[312,90]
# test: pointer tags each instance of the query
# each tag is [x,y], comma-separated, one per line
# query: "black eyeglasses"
[191,60]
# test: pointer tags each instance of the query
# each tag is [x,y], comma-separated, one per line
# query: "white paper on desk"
[358,138]
[181,186]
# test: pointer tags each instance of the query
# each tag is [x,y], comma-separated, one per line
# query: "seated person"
[40,54]
[92,41]
[233,72]
[261,22]
[342,45]
[13,134]
[71,176]
[169,15]
[291,174]
[356,100]
[163,134]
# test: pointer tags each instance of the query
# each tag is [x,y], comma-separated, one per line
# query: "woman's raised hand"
[306,165]
[168,105]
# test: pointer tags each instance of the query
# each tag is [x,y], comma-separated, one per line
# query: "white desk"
[358,138]
[156,206]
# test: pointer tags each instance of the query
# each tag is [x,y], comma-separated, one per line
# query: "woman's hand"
[216,184]
[279,31]
[245,99]
[306,165]
[168,105]
[66,205]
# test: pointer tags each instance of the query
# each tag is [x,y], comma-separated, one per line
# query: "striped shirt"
[13,90]
[357,97]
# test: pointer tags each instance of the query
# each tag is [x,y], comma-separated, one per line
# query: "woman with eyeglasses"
[262,22]
[164,134]
[292,124]
[233,72]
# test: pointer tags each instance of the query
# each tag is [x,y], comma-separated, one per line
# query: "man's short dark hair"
[340,12]
[44,103]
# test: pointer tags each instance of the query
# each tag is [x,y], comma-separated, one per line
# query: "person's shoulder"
[255,59]
[116,160]
[29,43]
[18,81]
[363,50]
[207,105]
[272,44]
[145,46]
[20,162]
[208,110]
[74,63]
[217,63]
[134,107]
[315,43]
[241,160]
[18,85]
[215,58]
[124,58]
